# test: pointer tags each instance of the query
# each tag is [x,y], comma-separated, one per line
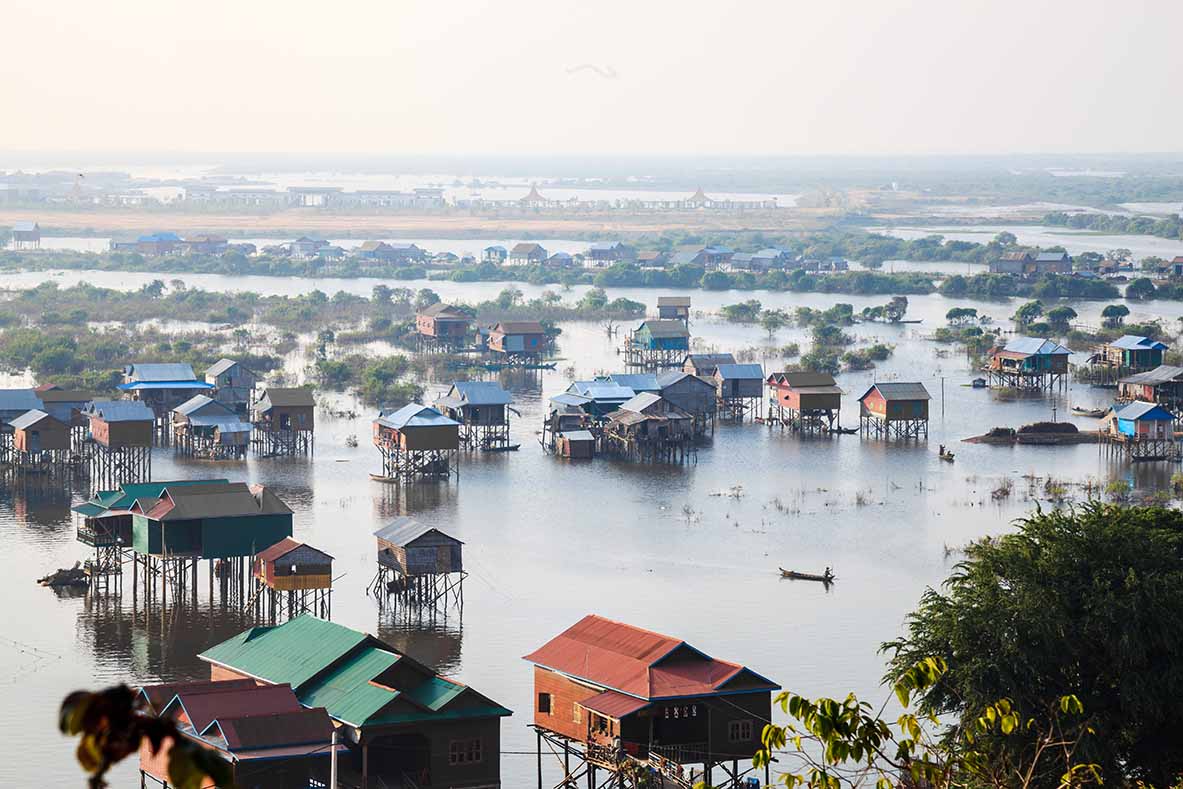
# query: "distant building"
[1015,263]
[526,254]
[26,235]
[305,247]
[1052,263]
[1131,354]
[533,199]
[559,260]
[313,196]
[158,243]
[524,338]
[495,254]
[442,322]
[607,254]
[704,365]
[1162,385]
[674,308]
[205,245]
[652,258]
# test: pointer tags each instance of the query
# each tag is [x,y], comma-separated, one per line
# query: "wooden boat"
[507,448]
[496,366]
[844,431]
[978,383]
[796,576]
[1095,413]
[945,454]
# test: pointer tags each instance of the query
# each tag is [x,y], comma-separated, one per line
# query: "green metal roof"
[434,693]
[293,652]
[126,494]
[90,510]
[490,710]
[346,692]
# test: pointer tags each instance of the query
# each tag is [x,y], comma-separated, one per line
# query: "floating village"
[298,700]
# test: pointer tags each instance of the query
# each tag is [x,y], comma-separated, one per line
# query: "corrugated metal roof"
[286,397]
[203,707]
[413,415]
[670,327]
[284,547]
[630,660]
[28,419]
[481,393]
[161,694]
[601,391]
[1139,410]
[346,691]
[120,411]
[220,366]
[900,391]
[638,382]
[153,371]
[578,435]
[1034,346]
[136,386]
[614,704]
[709,360]
[442,310]
[259,731]
[293,652]
[404,530]
[673,301]
[520,327]
[1130,342]
[803,380]
[19,400]
[197,402]
[741,371]
[638,403]
[225,423]
[568,398]
[1162,374]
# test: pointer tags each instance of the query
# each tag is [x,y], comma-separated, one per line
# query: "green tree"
[1028,313]
[1115,315]
[381,295]
[1086,600]
[509,297]
[773,321]
[1140,289]
[1060,317]
[895,309]
[821,360]
[425,297]
[593,300]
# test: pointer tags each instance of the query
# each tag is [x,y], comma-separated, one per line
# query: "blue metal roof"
[481,393]
[28,419]
[135,386]
[19,400]
[153,371]
[403,530]
[728,371]
[1033,346]
[568,398]
[601,390]
[121,411]
[638,382]
[413,415]
[1132,343]
[1140,411]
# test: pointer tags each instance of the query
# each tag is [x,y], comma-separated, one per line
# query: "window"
[739,731]
[464,751]
[544,703]
[577,714]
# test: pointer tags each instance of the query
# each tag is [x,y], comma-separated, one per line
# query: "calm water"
[1075,241]
[547,541]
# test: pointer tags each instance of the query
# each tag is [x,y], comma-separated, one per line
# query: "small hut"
[482,409]
[441,326]
[638,382]
[233,384]
[120,442]
[894,410]
[675,308]
[416,442]
[520,340]
[294,579]
[14,403]
[207,428]
[600,397]
[693,395]
[657,344]
[162,387]
[283,421]
[1032,363]
[804,401]
[649,428]
[576,444]
[26,235]
[704,365]
[41,445]
[1142,431]
[739,389]
[418,563]
[1162,385]
[68,406]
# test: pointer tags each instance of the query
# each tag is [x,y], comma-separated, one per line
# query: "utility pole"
[333,761]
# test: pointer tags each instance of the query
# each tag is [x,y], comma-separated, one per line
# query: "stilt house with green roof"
[405,724]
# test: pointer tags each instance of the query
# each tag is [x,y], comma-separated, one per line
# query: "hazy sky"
[785,77]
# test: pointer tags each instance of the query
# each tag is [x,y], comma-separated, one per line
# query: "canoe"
[510,448]
[1095,413]
[796,576]
[844,431]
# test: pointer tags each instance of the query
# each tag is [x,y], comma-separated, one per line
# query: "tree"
[425,298]
[1120,255]
[381,295]
[1060,317]
[821,360]
[773,321]
[1086,600]
[1140,289]
[593,300]
[1115,315]
[961,315]
[743,312]
[1006,239]
[509,297]
[1151,263]
[154,289]
[1028,313]
[836,742]
[895,309]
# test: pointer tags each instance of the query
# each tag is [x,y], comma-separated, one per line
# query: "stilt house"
[161,387]
[233,384]
[284,421]
[704,365]
[482,409]
[612,690]
[674,308]
[1130,353]
[518,338]
[416,441]
[804,401]
[208,428]
[443,323]
[895,410]
[402,721]
[1029,363]
[1162,385]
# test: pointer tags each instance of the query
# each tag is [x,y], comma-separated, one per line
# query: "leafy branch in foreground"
[111,725]
[837,743]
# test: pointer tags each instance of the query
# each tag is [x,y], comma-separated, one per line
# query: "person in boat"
[828,575]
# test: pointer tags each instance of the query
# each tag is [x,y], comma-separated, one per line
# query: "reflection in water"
[546,541]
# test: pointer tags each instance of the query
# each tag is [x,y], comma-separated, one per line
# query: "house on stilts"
[1162,385]
[119,442]
[1029,363]
[418,567]
[209,429]
[482,409]
[1141,431]
[292,578]
[616,704]
[283,422]
[894,410]
[416,442]
[739,391]
[161,387]
[650,429]
[656,344]
[803,401]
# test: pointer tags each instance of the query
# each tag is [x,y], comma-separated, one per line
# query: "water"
[1075,241]
[459,246]
[547,541]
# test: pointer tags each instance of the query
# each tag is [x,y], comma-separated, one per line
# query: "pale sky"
[723,77]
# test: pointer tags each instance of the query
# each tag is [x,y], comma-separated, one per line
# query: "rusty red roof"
[203,708]
[637,662]
[158,696]
[274,730]
[613,704]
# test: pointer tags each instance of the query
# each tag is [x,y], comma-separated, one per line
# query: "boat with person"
[826,578]
[1093,413]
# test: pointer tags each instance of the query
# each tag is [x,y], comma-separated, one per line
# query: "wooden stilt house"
[210,429]
[693,395]
[1162,385]
[518,340]
[674,308]
[739,389]
[403,722]
[1032,363]
[416,442]
[119,438]
[283,421]
[1142,431]
[894,410]
[233,384]
[704,365]
[482,409]
[649,428]
[418,564]
[804,401]
[611,695]
[162,387]
[293,579]
[657,344]
[442,326]
[13,404]
[41,445]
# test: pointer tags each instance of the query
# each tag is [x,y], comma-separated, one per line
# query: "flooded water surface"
[548,541]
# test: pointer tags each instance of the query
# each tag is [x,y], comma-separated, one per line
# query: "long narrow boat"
[1095,413]
[507,448]
[825,579]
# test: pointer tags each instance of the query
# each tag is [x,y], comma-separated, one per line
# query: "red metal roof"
[613,704]
[203,708]
[159,696]
[635,661]
[273,730]
[279,549]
